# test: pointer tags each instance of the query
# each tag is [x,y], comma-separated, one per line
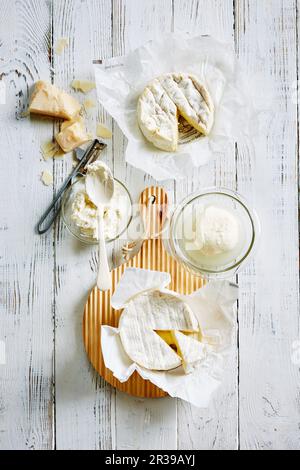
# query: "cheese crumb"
[51,149]
[61,44]
[83,85]
[47,178]
[88,104]
[103,131]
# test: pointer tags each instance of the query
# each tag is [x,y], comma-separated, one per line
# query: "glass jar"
[180,235]
[75,230]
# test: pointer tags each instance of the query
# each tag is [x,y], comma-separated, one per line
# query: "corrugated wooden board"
[98,310]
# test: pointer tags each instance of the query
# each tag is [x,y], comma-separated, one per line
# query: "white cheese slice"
[157,117]
[147,349]
[48,100]
[191,98]
[190,350]
[149,312]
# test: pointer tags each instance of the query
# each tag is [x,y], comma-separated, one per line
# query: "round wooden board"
[98,310]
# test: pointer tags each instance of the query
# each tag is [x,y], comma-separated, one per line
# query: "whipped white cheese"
[116,213]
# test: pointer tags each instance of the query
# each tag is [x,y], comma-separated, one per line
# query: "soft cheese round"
[167,97]
[143,315]
[217,232]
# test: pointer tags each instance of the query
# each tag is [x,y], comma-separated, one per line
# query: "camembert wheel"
[168,97]
[146,314]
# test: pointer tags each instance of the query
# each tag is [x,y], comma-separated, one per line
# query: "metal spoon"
[99,185]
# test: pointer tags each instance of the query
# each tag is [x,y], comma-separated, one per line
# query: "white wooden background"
[50,397]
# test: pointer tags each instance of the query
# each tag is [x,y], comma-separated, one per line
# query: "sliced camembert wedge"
[142,317]
[191,98]
[157,117]
[48,100]
[168,336]
[192,351]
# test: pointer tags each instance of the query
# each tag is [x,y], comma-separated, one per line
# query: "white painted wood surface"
[49,395]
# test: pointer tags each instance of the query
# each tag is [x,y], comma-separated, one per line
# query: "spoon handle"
[103,277]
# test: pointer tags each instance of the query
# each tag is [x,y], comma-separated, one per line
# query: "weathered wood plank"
[269,300]
[135,23]
[146,424]
[26,259]
[216,427]
[83,400]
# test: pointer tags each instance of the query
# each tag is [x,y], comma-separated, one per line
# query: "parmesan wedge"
[48,100]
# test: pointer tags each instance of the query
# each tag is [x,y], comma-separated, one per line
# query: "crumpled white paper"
[212,305]
[120,81]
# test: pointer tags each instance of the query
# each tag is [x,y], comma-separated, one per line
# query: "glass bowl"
[66,211]
[181,229]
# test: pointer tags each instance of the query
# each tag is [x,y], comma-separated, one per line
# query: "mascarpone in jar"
[115,218]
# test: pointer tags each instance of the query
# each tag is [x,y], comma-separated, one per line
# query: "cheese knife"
[85,157]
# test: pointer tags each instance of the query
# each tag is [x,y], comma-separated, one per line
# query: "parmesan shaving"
[51,149]
[89,104]
[47,178]
[103,132]
[83,85]
[60,45]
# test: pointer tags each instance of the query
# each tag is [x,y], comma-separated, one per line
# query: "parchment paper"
[120,81]
[212,305]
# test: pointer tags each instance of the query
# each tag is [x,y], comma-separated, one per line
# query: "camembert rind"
[48,100]
[191,98]
[139,321]
[157,117]
[192,351]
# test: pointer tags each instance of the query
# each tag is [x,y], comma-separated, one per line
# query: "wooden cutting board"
[153,256]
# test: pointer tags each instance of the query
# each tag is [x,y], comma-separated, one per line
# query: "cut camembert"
[165,99]
[146,315]
[157,117]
